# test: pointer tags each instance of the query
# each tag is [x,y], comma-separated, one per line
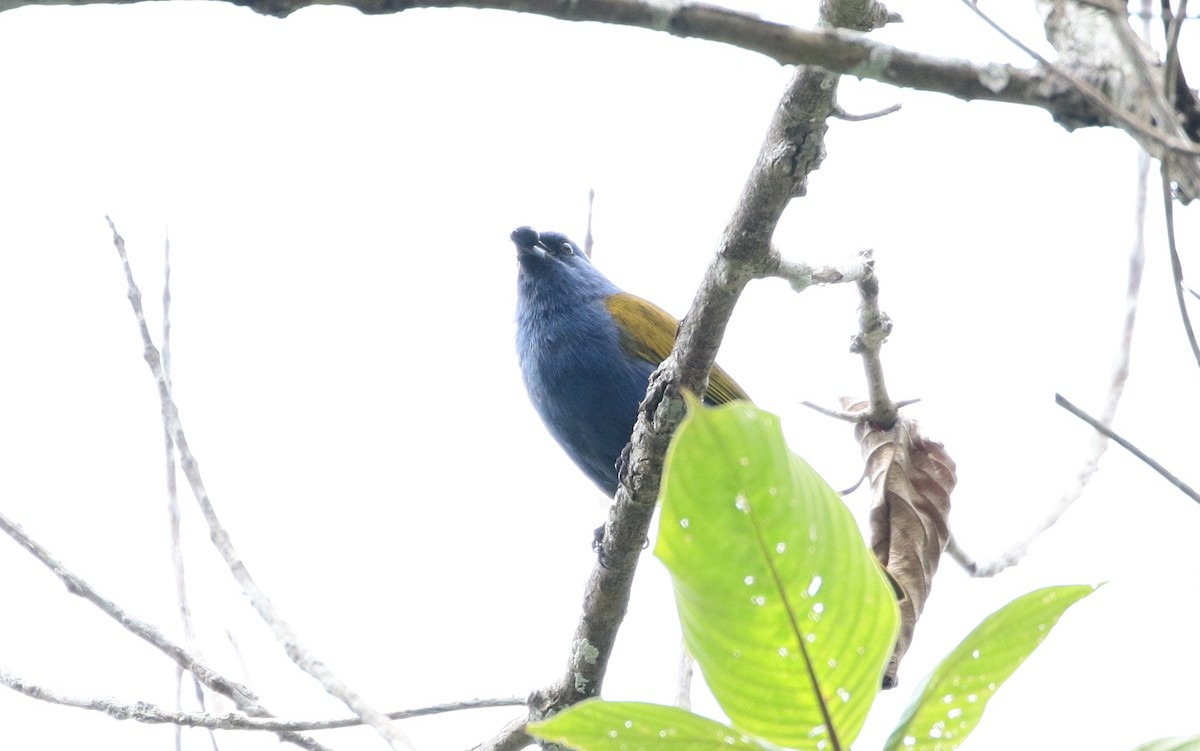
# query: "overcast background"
[338,190]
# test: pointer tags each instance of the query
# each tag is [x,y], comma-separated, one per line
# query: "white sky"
[339,191]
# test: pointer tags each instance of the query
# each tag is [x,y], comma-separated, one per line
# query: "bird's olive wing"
[647,331]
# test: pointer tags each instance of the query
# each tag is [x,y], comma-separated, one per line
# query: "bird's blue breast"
[584,385]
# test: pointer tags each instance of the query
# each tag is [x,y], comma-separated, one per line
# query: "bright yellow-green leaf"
[950,702]
[596,725]
[782,604]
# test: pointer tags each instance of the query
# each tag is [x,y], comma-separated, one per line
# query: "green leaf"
[596,725]
[950,701]
[782,604]
[1185,743]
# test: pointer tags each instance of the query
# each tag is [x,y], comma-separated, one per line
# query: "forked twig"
[283,631]
[1116,388]
[148,713]
[240,695]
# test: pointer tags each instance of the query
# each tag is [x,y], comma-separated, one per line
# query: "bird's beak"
[528,243]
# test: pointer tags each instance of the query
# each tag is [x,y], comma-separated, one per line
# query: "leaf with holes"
[951,700]
[782,605]
[597,725]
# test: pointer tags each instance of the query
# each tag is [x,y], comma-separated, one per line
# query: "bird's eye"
[566,249]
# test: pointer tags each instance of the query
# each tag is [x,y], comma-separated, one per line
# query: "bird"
[586,351]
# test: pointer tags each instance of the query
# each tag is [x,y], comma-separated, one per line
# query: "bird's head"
[551,259]
[538,246]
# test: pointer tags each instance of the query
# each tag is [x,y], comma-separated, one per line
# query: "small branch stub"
[801,275]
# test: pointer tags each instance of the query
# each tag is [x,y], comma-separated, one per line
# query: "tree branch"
[835,50]
[793,147]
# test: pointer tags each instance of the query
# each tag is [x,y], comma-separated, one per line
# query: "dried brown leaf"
[911,480]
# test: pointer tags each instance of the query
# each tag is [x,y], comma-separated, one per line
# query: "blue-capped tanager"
[587,350]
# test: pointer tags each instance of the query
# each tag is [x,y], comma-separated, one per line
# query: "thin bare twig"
[842,114]
[283,631]
[837,414]
[166,311]
[1183,487]
[173,519]
[1116,388]
[240,695]
[150,714]
[1171,65]
[1117,379]
[151,635]
[173,530]
[857,484]
[1151,16]
[968,563]
[1176,264]
[851,417]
